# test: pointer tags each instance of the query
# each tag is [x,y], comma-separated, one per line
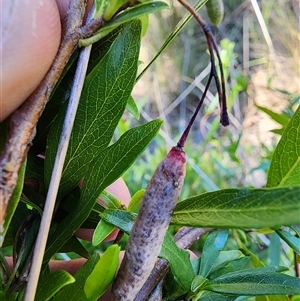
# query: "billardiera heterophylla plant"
[222,272]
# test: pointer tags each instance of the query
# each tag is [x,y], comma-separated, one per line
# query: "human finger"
[63,7]
[30,39]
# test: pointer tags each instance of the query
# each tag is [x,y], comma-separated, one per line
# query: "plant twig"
[183,137]
[212,47]
[184,238]
[23,121]
[157,294]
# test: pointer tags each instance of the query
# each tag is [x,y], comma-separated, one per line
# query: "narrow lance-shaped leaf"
[178,28]
[240,208]
[214,244]
[122,219]
[126,16]
[223,259]
[242,263]
[280,118]
[132,108]
[109,166]
[74,245]
[290,239]
[75,291]
[49,285]
[179,261]
[103,100]
[253,282]
[7,214]
[136,199]
[211,296]
[285,165]
[102,230]
[95,123]
[112,162]
[13,203]
[273,298]
[103,274]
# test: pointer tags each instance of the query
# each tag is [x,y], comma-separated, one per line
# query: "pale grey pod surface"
[148,232]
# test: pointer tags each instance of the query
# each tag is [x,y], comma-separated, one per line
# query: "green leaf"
[272,298]
[100,7]
[255,261]
[103,274]
[102,230]
[198,282]
[109,200]
[103,100]
[75,291]
[224,258]
[13,203]
[103,104]
[285,165]
[126,16]
[112,162]
[233,266]
[211,296]
[102,47]
[173,289]
[74,245]
[19,216]
[49,285]
[136,199]
[280,118]
[274,250]
[132,108]
[109,166]
[112,9]
[278,131]
[196,265]
[178,28]
[290,239]
[10,297]
[28,240]
[240,208]
[213,245]
[121,219]
[35,170]
[253,282]
[179,261]
[14,199]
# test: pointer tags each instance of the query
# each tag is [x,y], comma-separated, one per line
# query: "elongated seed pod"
[150,227]
[215,11]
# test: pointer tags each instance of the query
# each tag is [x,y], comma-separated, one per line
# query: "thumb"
[31,33]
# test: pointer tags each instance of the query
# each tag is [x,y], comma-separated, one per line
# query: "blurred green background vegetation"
[259,43]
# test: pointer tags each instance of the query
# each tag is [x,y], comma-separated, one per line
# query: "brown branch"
[24,120]
[22,123]
[184,238]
